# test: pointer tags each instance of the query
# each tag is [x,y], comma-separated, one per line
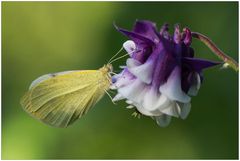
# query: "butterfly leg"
[110,96]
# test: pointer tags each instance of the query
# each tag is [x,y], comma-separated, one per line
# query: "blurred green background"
[45,37]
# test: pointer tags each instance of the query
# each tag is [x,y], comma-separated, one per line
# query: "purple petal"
[187,36]
[146,29]
[137,38]
[199,64]
[187,51]
[177,34]
[142,53]
[191,67]
[164,32]
[164,64]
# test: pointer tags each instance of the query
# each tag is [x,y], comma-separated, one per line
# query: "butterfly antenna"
[122,56]
[110,97]
[119,58]
[115,55]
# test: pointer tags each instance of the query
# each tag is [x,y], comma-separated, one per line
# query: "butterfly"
[59,99]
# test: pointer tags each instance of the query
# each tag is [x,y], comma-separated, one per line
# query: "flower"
[161,74]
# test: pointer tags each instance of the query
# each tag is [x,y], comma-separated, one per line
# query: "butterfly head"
[107,68]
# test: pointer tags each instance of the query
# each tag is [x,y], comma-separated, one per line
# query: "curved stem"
[232,63]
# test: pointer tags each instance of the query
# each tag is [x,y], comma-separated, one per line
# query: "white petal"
[163,120]
[133,91]
[155,101]
[193,90]
[145,112]
[118,97]
[129,46]
[172,88]
[172,110]
[113,87]
[117,76]
[143,72]
[132,63]
[185,109]
[122,66]
[123,81]
[178,109]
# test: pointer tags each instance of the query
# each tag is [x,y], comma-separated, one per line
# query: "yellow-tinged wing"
[61,98]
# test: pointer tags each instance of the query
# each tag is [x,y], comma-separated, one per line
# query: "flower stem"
[230,61]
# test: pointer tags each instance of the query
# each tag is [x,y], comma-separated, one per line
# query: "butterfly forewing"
[60,99]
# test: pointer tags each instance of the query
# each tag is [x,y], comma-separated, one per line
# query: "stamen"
[130,107]
[137,114]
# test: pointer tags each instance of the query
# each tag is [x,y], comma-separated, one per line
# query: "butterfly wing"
[60,99]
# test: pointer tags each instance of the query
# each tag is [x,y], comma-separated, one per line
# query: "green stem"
[230,61]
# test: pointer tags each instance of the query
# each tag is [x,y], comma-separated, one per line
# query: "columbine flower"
[161,74]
